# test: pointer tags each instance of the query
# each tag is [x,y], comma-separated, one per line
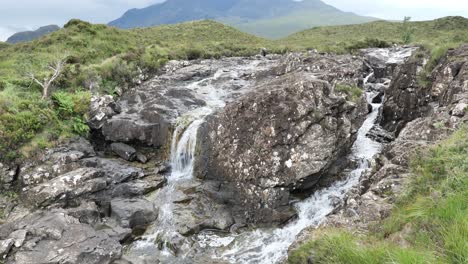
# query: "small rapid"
[162,241]
[271,245]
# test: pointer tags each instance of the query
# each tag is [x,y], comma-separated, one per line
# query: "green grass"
[449,31]
[100,55]
[353,93]
[282,26]
[431,217]
[101,59]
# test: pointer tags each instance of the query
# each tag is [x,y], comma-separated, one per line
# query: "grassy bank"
[449,31]
[429,224]
[102,59]
[98,59]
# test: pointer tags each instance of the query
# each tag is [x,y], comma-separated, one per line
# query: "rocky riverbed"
[187,166]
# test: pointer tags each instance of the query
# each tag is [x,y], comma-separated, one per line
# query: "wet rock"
[378,99]
[5,247]
[405,99]
[133,213]
[379,134]
[113,229]
[78,244]
[124,151]
[152,133]
[138,187]
[115,171]
[141,158]
[66,187]
[56,236]
[285,136]
[86,213]
[82,145]
[18,236]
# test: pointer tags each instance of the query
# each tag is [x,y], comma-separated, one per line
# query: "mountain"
[32,35]
[267,18]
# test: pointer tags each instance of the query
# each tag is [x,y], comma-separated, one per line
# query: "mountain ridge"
[31,35]
[265,18]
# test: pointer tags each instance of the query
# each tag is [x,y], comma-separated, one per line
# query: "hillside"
[272,19]
[105,59]
[444,31]
[3,45]
[31,35]
[98,58]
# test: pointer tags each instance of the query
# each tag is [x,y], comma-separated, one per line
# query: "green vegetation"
[449,32]
[429,224]
[353,93]
[102,59]
[99,59]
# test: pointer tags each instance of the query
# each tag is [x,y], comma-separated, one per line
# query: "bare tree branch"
[56,67]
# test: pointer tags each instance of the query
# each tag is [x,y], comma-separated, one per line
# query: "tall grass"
[431,217]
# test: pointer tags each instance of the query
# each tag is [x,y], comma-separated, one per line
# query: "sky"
[21,15]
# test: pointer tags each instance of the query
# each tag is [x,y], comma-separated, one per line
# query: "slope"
[267,18]
[31,35]
[440,32]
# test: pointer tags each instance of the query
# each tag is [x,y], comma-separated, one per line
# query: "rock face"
[149,111]
[371,201]
[76,207]
[281,137]
[55,237]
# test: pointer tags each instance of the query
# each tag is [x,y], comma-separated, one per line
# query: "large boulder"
[284,136]
[405,98]
[55,237]
[133,213]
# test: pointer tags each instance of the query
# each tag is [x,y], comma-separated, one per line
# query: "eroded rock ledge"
[420,117]
[282,137]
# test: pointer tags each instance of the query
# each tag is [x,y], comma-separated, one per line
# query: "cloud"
[397,9]
[31,14]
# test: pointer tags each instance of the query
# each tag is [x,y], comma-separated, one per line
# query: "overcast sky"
[20,15]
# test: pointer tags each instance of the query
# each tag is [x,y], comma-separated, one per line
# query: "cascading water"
[271,245]
[157,245]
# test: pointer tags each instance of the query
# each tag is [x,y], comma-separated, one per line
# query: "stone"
[5,247]
[115,170]
[285,136]
[66,187]
[124,151]
[18,236]
[133,213]
[58,236]
[141,158]
[460,109]
[82,145]
[87,213]
[100,111]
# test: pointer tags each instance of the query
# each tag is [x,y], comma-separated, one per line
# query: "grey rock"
[460,109]
[115,171]
[82,145]
[18,236]
[66,187]
[86,213]
[124,151]
[5,247]
[141,158]
[100,111]
[286,135]
[133,213]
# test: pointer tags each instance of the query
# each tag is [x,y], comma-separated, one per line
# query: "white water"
[183,146]
[271,245]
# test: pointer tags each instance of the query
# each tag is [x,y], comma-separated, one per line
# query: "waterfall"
[271,245]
